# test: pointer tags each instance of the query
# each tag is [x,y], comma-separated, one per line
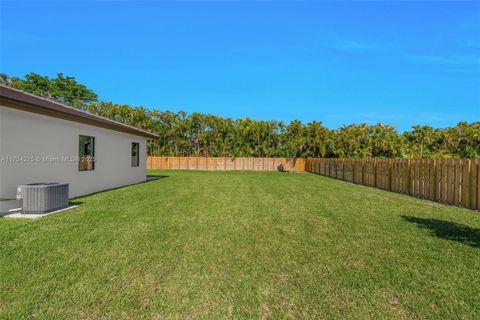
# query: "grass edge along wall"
[448,181]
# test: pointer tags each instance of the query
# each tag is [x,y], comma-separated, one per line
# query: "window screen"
[135,154]
[86,153]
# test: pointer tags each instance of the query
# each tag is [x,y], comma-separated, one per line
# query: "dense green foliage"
[63,89]
[198,134]
[243,245]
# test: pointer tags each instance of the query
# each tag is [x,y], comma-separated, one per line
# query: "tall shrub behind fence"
[450,181]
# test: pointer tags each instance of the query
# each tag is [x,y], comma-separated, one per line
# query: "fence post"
[475,197]
[353,171]
[458,171]
[433,180]
[336,168]
[473,184]
[466,182]
[409,178]
[389,175]
[363,171]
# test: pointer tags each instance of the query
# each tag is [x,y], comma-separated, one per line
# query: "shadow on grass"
[149,178]
[75,202]
[448,230]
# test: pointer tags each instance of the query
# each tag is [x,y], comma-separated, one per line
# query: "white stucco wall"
[30,135]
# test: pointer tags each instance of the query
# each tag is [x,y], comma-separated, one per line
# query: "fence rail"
[225,163]
[450,181]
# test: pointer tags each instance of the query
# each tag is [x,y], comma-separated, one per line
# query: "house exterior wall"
[49,148]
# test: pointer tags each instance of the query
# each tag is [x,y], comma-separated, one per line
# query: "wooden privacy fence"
[450,181]
[225,163]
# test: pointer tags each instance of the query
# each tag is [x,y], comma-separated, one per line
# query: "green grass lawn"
[243,245]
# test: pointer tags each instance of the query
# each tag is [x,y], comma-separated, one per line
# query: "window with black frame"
[135,154]
[86,153]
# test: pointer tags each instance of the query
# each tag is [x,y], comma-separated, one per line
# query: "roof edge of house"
[14,98]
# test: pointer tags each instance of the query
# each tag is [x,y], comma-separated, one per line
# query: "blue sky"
[401,63]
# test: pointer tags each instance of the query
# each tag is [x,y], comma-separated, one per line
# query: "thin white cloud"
[430,117]
[359,46]
[450,60]
[20,36]
[471,44]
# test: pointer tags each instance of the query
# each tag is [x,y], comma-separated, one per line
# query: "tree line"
[199,134]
